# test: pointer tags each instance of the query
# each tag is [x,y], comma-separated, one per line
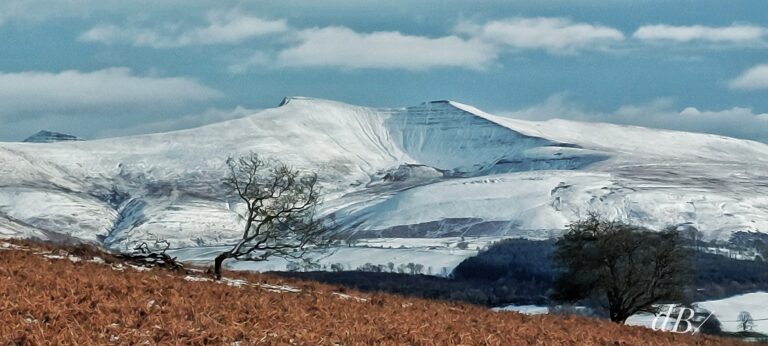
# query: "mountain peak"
[50,137]
[286,100]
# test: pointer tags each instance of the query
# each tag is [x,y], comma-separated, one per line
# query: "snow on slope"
[726,310]
[437,169]
[441,135]
[166,185]
[438,261]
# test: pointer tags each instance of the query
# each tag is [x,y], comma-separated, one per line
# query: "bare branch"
[280,205]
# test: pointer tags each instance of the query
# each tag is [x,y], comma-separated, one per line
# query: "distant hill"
[50,137]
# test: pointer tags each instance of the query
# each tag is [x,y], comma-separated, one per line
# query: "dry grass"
[57,301]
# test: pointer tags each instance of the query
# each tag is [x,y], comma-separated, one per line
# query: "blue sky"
[99,68]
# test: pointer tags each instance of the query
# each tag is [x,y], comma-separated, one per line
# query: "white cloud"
[36,11]
[557,35]
[25,94]
[752,79]
[242,65]
[222,28]
[232,27]
[345,48]
[736,34]
[738,122]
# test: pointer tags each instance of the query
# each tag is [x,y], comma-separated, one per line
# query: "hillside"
[437,169]
[79,295]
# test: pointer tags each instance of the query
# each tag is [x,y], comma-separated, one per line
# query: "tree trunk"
[217,264]
[617,315]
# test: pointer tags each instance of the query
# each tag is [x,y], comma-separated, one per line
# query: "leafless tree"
[280,209]
[147,255]
[746,322]
[622,267]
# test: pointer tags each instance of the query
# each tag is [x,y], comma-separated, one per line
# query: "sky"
[103,68]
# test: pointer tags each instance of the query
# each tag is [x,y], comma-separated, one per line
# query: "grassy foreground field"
[65,296]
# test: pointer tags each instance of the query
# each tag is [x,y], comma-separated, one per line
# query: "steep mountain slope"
[440,168]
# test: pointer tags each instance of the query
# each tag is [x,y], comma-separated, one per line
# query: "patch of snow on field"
[196,279]
[727,310]
[279,288]
[347,296]
[235,282]
[524,309]
[9,246]
[140,268]
[97,260]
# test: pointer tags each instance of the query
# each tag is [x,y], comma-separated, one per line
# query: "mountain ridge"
[440,168]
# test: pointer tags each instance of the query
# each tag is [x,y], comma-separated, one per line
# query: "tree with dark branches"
[280,205]
[153,256]
[623,268]
[746,322]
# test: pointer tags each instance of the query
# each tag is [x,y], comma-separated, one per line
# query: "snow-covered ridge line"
[436,169]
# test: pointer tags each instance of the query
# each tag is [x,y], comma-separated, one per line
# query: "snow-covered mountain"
[437,169]
[50,137]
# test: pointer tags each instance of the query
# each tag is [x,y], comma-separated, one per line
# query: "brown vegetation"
[67,300]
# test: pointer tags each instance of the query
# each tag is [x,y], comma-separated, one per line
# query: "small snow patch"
[524,309]
[196,278]
[140,268]
[347,296]
[279,289]
[61,255]
[235,282]
[9,246]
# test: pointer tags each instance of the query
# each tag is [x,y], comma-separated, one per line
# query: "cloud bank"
[471,44]
[84,102]
[345,48]
[555,35]
[735,34]
[222,28]
[36,92]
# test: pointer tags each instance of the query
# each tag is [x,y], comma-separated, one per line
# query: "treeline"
[719,276]
[520,271]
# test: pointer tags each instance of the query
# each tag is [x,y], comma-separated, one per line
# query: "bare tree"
[147,255]
[624,268]
[280,209]
[746,322]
